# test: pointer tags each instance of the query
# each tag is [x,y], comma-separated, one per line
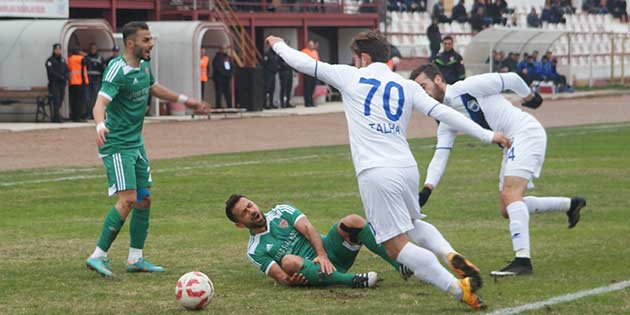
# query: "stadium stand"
[598,41]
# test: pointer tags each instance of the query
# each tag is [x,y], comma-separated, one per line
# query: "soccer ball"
[194,290]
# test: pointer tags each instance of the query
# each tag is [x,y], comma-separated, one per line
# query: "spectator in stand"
[600,7]
[478,4]
[619,10]
[459,12]
[435,38]
[438,12]
[567,7]
[492,12]
[552,13]
[394,5]
[513,22]
[450,63]
[532,19]
[477,23]
[416,5]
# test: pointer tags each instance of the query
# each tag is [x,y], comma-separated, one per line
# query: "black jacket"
[271,62]
[435,38]
[95,66]
[219,71]
[451,65]
[57,70]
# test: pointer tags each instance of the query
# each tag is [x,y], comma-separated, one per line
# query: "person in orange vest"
[203,65]
[77,64]
[310,82]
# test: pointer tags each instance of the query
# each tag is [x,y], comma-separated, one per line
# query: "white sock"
[427,236]
[546,204]
[98,252]
[425,266]
[134,255]
[519,228]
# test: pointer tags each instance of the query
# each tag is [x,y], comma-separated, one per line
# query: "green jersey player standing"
[119,116]
[286,246]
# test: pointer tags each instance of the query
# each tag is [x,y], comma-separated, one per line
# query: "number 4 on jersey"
[511,155]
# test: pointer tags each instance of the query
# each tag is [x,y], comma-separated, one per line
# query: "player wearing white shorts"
[378,103]
[479,97]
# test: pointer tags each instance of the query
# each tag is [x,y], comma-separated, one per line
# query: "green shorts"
[127,170]
[340,253]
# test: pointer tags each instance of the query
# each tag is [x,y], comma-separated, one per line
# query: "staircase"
[244,51]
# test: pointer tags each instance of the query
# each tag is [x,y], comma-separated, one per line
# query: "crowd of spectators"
[532,69]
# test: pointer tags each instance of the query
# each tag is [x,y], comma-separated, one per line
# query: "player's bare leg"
[427,268]
[515,209]
[112,224]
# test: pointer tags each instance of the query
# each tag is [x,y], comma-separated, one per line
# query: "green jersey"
[127,88]
[280,239]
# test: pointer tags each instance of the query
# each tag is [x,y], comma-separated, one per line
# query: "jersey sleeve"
[291,213]
[260,260]
[493,83]
[427,105]
[445,139]
[112,81]
[335,75]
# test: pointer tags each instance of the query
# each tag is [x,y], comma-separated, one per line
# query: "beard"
[255,225]
[140,53]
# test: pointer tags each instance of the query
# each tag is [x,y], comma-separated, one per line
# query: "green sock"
[311,272]
[139,227]
[367,239]
[111,226]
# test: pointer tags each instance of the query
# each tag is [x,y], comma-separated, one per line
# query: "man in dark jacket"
[57,71]
[271,62]
[95,67]
[433,32]
[459,12]
[222,69]
[450,63]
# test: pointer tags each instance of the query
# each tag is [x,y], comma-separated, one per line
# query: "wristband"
[100,126]
[181,98]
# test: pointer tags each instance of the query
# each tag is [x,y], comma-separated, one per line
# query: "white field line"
[174,169]
[562,299]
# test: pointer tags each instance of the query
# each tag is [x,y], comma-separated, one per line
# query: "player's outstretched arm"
[99,118]
[494,83]
[422,102]
[445,140]
[305,227]
[335,75]
[164,93]
[278,274]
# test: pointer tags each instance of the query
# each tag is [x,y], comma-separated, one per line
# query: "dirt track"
[76,147]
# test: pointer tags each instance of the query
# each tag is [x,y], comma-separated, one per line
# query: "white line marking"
[174,169]
[562,299]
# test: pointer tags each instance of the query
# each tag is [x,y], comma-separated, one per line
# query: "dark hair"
[229,206]
[447,37]
[130,29]
[429,69]
[373,43]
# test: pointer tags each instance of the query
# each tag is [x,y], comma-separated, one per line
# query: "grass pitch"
[50,220]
